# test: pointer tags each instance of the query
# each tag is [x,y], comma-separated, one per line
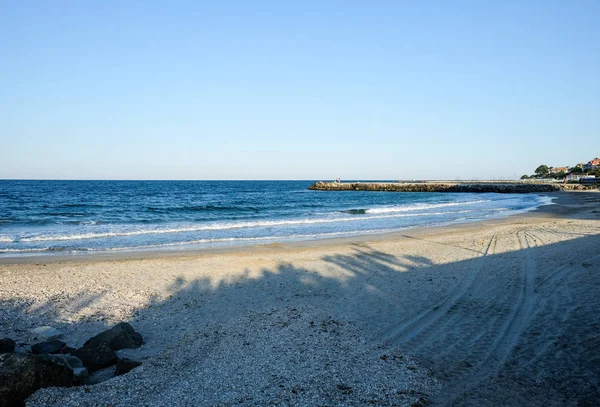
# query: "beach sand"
[502,312]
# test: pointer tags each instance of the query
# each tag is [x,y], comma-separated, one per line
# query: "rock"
[125,365]
[120,336]
[80,375]
[47,333]
[67,350]
[102,375]
[431,186]
[21,375]
[54,346]
[7,345]
[96,355]
[68,360]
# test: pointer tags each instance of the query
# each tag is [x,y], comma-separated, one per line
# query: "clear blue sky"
[297,89]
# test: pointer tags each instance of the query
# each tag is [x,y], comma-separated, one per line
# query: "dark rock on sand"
[68,360]
[48,347]
[46,333]
[67,350]
[96,355]
[7,345]
[21,375]
[80,375]
[98,352]
[120,336]
[125,365]
[102,375]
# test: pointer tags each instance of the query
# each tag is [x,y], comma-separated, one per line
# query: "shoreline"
[180,250]
[266,324]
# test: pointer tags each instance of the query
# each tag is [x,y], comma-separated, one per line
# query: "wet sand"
[502,312]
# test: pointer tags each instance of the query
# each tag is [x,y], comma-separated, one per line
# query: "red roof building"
[592,165]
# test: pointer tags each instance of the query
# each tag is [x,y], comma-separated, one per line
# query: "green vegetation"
[546,172]
[542,171]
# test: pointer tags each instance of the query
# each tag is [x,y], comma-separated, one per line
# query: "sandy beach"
[503,312]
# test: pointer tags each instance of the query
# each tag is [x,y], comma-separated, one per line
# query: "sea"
[79,217]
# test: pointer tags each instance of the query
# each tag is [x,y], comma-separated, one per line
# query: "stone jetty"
[436,186]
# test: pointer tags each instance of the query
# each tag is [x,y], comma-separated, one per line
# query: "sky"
[297,89]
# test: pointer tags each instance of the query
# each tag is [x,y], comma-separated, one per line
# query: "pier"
[505,187]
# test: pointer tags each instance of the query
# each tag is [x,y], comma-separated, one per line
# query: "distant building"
[556,170]
[572,176]
[591,165]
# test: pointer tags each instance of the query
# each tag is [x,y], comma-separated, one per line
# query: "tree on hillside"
[576,170]
[542,171]
[525,176]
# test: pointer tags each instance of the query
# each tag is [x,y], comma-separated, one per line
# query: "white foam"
[218,226]
[421,207]
[546,200]
[192,242]
[240,239]
[42,249]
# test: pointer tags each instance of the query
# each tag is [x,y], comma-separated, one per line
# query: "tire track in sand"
[409,329]
[505,339]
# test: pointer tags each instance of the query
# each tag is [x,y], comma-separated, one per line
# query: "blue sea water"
[44,217]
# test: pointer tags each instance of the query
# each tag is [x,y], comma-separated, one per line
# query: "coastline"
[183,251]
[413,293]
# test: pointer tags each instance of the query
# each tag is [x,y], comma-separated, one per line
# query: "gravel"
[285,357]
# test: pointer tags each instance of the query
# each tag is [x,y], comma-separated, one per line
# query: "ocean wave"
[356,211]
[66,214]
[422,206]
[202,208]
[33,222]
[80,205]
[81,223]
[190,242]
[39,250]
[227,239]
[218,226]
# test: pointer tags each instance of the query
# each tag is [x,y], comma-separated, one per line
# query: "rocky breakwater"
[505,188]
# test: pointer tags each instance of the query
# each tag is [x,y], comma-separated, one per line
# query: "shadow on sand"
[513,327]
